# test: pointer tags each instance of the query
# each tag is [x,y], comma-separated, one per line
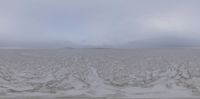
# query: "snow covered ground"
[111,73]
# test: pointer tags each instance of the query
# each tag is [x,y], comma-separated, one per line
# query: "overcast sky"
[97,22]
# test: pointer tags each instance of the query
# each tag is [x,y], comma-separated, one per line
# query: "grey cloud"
[98,22]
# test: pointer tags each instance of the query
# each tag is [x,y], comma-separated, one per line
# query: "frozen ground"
[110,73]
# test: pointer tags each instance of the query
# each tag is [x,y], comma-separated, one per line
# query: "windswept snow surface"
[138,73]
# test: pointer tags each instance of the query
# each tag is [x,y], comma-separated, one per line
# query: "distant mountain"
[164,42]
[158,42]
[35,45]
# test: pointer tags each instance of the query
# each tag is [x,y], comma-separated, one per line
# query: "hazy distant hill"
[164,42]
[17,45]
[158,42]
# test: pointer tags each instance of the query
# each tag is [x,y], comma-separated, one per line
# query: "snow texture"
[138,73]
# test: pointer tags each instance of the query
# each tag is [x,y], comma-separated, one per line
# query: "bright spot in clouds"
[168,24]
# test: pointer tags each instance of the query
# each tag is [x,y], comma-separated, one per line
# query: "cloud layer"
[97,22]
